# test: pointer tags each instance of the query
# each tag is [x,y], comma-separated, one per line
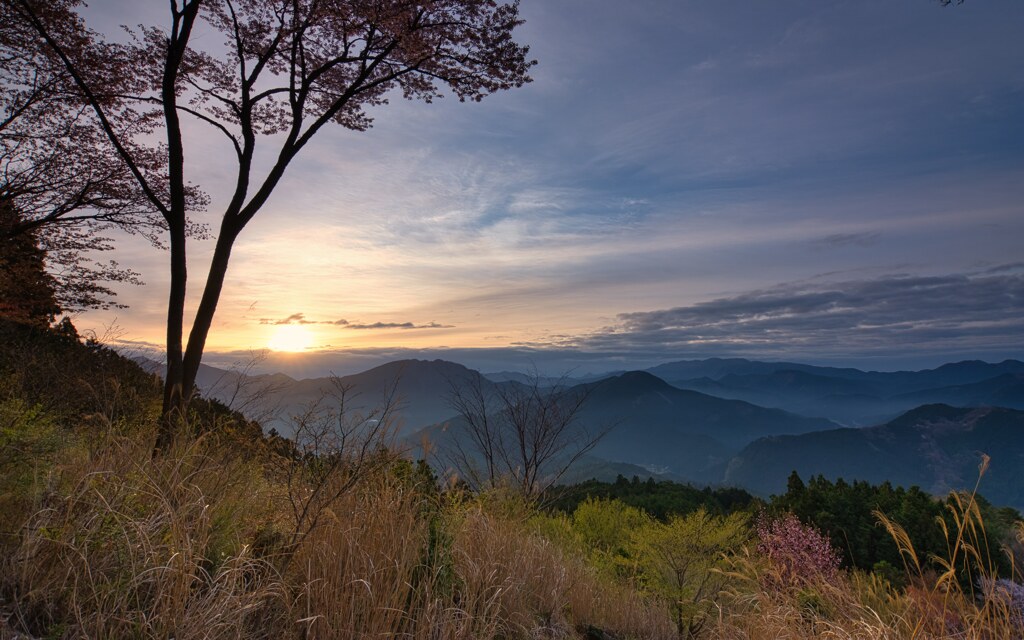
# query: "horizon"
[304,366]
[801,182]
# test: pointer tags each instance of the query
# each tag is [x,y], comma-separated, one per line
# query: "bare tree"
[337,443]
[291,67]
[526,435]
[256,397]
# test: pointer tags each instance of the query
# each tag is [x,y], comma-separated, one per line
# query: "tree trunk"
[207,306]
[175,392]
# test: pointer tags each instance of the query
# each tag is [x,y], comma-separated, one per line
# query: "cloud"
[399,325]
[300,318]
[896,313]
[834,240]
[295,318]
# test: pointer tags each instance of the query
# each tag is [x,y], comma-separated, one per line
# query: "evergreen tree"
[26,289]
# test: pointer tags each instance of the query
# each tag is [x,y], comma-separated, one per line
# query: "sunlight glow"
[290,337]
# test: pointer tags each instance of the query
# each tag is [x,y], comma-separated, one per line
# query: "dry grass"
[198,543]
[954,603]
[843,608]
[142,548]
[538,590]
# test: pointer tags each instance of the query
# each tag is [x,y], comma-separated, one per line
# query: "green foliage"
[27,433]
[605,529]
[606,524]
[844,511]
[28,441]
[890,573]
[678,561]
[557,528]
[660,499]
[77,383]
[681,560]
[91,389]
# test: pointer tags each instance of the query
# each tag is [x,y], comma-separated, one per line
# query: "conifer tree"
[26,289]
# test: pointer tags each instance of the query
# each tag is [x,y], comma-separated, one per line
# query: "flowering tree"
[287,69]
[799,552]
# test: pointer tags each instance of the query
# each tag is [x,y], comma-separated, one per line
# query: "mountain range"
[721,421]
[850,396]
[680,431]
[936,447]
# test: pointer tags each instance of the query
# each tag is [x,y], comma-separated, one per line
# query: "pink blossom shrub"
[799,552]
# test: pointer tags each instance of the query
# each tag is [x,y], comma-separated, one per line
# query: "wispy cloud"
[836,240]
[300,318]
[399,325]
[295,318]
[739,150]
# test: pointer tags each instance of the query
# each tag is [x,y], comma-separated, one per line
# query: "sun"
[290,337]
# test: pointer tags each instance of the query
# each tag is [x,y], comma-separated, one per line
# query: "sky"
[828,182]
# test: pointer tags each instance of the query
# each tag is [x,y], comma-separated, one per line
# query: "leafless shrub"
[255,397]
[336,444]
[523,435]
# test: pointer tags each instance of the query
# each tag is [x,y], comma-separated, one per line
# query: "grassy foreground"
[232,535]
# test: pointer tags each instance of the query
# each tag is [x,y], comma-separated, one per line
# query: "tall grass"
[129,546]
[199,543]
[961,598]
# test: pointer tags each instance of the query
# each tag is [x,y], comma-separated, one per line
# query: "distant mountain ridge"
[944,375]
[936,447]
[850,396]
[663,429]
[640,400]
[421,388]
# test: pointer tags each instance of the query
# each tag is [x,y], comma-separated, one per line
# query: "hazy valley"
[730,422]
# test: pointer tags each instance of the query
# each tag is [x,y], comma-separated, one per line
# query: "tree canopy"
[68,183]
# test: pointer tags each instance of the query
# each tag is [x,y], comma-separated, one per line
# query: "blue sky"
[835,182]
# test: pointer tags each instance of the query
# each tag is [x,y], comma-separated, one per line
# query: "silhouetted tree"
[68,183]
[26,289]
[290,67]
